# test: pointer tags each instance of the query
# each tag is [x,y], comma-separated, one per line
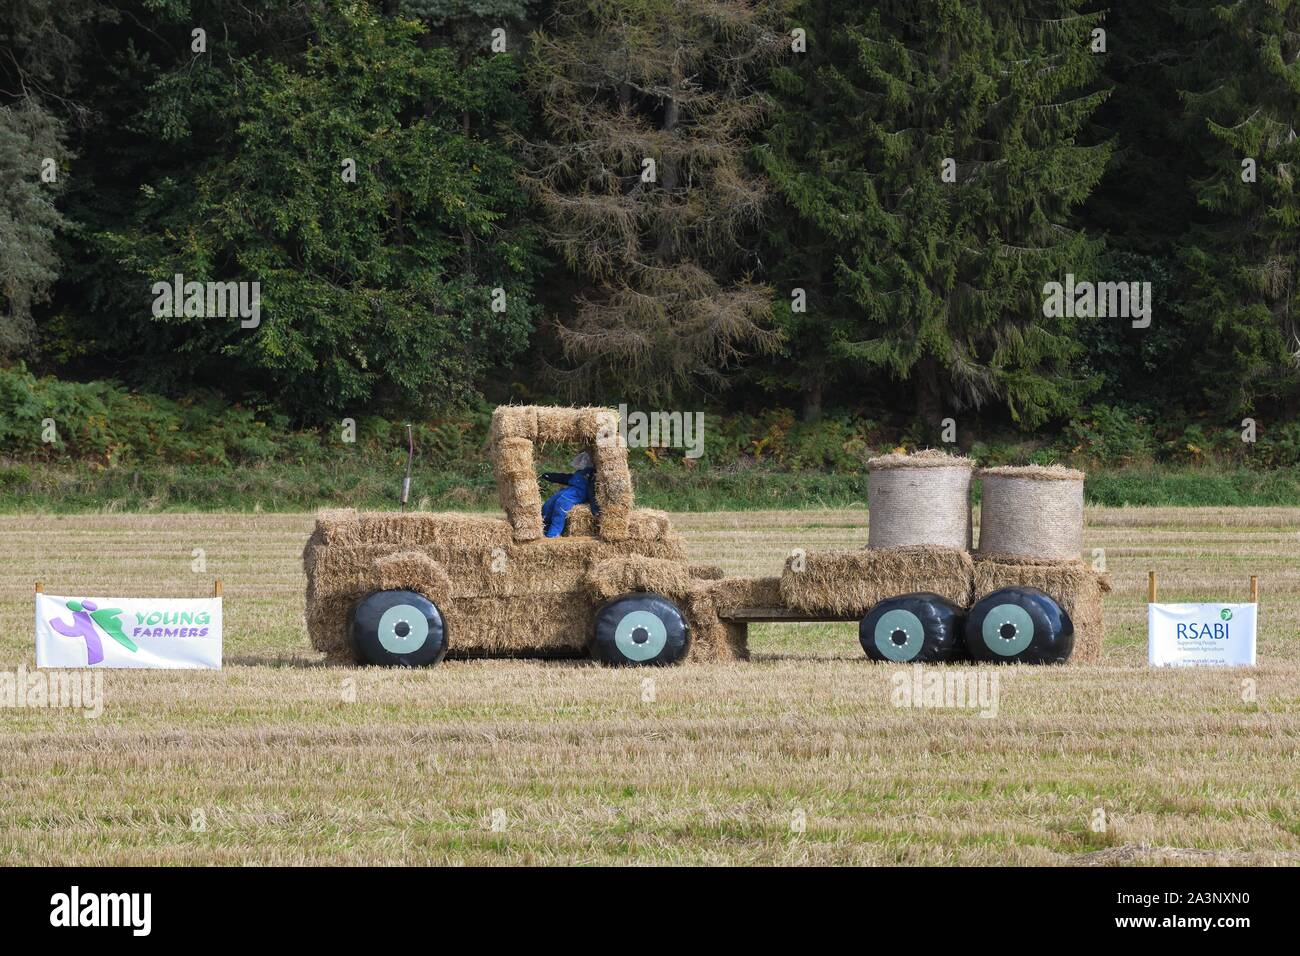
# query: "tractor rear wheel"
[640,629]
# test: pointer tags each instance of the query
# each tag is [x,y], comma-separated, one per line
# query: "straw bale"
[1072,584]
[1032,512]
[644,524]
[705,572]
[412,571]
[732,593]
[514,421]
[580,522]
[850,583]
[547,625]
[615,523]
[514,458]
[517,487]
[350,528]
[563,425]
[614,576]
[920,499]
[712,638]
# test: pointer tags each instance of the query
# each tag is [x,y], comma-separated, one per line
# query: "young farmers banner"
[127,632]
[1191,634]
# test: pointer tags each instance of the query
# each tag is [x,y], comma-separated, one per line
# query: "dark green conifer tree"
[937,283]
[1243,107]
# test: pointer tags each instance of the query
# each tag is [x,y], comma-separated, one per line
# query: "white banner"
[1193,634]
[127,632]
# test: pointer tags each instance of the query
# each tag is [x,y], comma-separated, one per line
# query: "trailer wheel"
[640,629]
[917,628]
[399,629]
[1019,625]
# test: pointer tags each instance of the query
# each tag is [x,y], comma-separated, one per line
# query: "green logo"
[1226,614]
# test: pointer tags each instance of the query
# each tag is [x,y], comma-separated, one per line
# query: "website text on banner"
[1201,634]
[127,632]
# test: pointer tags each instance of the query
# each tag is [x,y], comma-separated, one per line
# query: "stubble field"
[799,756]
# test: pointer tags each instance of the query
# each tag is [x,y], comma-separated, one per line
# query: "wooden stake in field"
[1151,587]
[1254,589]
[40,588]
[216,588]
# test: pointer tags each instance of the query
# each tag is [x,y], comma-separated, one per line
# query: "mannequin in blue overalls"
[577,490]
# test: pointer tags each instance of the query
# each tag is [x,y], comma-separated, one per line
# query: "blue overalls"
[576,492]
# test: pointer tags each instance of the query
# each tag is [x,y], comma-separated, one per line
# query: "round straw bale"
[1032,512]
[920,499]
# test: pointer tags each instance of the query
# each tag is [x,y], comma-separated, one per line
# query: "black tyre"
[399,629]
[921,628]
[1019,625]
[639,630]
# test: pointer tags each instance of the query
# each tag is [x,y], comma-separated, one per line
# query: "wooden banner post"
[1151,587]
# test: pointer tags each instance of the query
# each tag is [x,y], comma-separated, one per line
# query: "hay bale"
[423,528]
[613,490]
[712,638]
[580,522]
[919,500]
[517,487]
[729,594]
[1032,512]
[1072,584]
[705,572]
[849,583]
[412,571]
[614,576]
[563,425]
[514,421]
[643,524]
[545,625]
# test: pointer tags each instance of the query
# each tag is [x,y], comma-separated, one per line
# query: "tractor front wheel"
[399,629]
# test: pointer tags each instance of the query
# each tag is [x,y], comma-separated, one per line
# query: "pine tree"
[643,187]
[941,283]
[40,43]
[1243,105]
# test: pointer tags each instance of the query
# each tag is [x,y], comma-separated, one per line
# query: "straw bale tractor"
[407,589]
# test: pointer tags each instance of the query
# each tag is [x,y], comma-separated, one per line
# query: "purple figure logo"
[82,626]
[85,615]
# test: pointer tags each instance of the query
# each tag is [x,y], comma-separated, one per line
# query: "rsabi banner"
[1192,634]
[127,632]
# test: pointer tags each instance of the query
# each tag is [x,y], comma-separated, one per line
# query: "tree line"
[795,202]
